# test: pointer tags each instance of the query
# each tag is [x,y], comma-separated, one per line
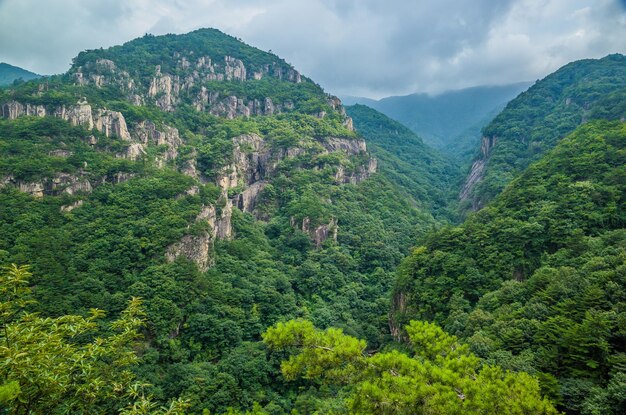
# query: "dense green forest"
[535,281]
[189,226]
[427,177]
[537,119]
[98,224]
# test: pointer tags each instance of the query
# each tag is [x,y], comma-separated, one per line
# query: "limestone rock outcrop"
[61,183]
[349,146]
[196,248]
[478,170]
[357,176]
[146,133]
[318,234]
[163,89]
[251,162]
[134,152]
[199,248]
[247,200]
[35,189]
[14,109]
[111,123]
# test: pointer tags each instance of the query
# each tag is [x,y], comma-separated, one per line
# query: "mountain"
[535,281]
[449,121]
[535,121]
[10,73]
[250,241]
[219,185]
[422,172]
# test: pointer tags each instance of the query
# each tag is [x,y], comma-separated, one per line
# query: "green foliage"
[203,329]
[143,54]
[421,172]
[33,149]
[66,364]
[535,281]
[439,376]
[536,120]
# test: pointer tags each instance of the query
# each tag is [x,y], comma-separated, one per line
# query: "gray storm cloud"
[351,47]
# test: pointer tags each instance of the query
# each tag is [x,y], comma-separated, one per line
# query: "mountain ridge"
[442,119]
[10,73]
[227,214]
[535,121]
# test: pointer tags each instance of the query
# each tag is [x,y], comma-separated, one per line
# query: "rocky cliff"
[477,171]
[194,80]
[134,97]
[254,163]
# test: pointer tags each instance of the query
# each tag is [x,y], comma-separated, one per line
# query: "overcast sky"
[370,48]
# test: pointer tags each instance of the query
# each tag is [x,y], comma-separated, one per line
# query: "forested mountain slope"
[422,172]
[10,73]
[215,182]
[448,121]
[535,281]
[536,120]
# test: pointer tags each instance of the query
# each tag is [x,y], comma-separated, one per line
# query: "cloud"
[357,47]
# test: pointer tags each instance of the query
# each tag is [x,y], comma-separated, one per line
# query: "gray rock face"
[246,201]
[232,107]
[80,114]
[104,72]
[199,248]
[196,248]
[229,107]
[352,147]
[111,123]
[69,184]
[61,183]
[163,89]
[478,170]
[251,162]
[294,76]
[234,69]
[119,177]
[134,151]
[60,153]
[146,134]
[320,234]
[349,146]
[348,124]
[190,167]
[105,65]
[223,228]
[269,107]
[35,189]
[361,174]
[14,109]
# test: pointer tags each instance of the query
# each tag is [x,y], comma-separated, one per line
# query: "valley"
[189,225]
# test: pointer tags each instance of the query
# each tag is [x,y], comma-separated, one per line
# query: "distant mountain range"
[10,73]
[450,121]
